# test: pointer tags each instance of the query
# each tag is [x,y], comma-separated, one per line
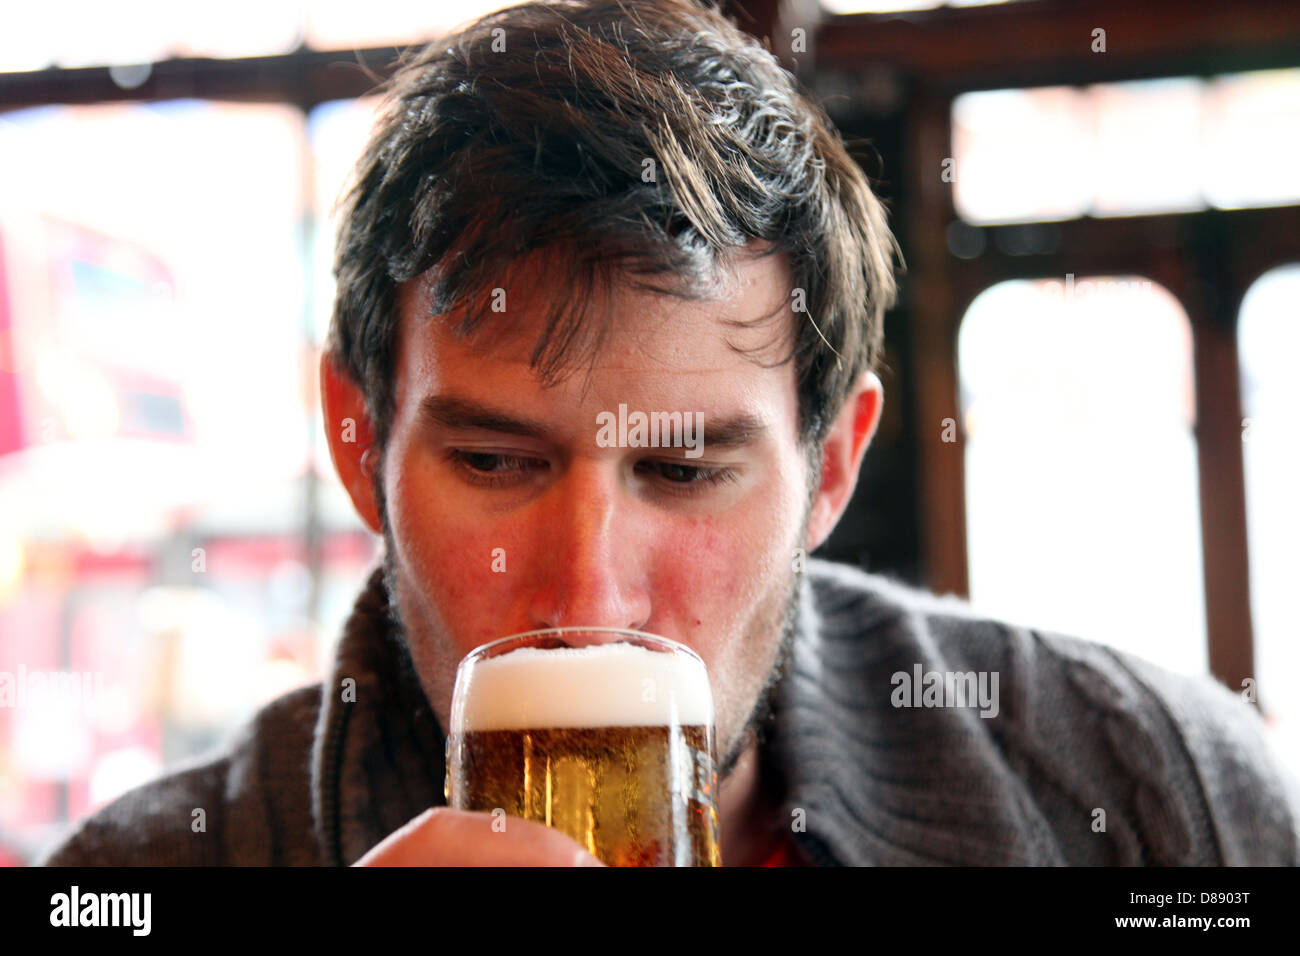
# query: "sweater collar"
[864,783]
[378,753]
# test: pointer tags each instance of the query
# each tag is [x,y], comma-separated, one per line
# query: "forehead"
[743,328]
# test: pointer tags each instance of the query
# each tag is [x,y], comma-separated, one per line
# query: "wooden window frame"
[1207,260]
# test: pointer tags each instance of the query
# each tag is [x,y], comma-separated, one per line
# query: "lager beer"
[611,743]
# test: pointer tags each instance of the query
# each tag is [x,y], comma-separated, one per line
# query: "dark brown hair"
[645,138]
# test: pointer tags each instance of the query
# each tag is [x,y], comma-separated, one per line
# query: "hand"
[441,836]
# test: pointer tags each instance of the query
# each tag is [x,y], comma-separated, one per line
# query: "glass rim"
[483,649]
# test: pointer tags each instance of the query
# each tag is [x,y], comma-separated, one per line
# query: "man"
[583,209]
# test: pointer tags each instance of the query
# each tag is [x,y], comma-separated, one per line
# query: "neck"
[747,825]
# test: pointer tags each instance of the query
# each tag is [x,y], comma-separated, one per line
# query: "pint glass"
[604,734]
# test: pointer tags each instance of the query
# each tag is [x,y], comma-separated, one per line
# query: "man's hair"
[627,140]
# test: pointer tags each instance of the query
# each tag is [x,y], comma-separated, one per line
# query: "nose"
[591,568]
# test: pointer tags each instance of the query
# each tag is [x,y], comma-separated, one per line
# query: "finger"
[442,836]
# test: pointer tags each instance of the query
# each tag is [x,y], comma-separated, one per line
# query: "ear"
[347,428]
[846,443]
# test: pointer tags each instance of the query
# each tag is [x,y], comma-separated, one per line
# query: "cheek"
[702,568]
[721,569]
[460,564]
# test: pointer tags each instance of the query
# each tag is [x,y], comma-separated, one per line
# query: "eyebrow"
[450,411]
[456,412]
[738,431]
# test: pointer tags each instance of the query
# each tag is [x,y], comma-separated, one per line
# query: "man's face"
[503,513]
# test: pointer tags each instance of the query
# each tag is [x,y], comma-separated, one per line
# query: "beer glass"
[605,734]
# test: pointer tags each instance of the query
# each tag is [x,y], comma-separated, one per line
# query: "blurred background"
[1091,405]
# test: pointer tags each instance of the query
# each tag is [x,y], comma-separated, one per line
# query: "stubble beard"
[759,722]
[761,715]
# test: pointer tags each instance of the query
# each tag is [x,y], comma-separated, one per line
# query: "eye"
[493,469]
[490,469]
[688,479]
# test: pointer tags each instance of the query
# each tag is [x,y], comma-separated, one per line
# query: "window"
[1122,149]
[1081,479]
[159,423]
[1269,341]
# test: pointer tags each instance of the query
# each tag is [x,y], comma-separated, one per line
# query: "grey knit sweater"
[1178,768]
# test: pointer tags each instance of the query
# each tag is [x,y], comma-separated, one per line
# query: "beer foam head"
[604,685]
